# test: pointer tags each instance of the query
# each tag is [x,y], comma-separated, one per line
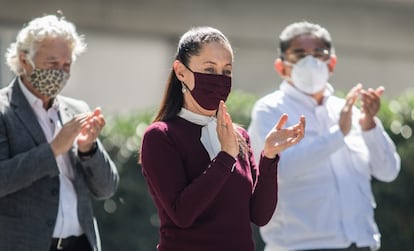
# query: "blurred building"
[131,43]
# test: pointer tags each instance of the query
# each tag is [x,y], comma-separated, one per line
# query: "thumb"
[282,121]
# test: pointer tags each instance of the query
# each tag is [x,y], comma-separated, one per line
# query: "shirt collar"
[194,117]
[308,100]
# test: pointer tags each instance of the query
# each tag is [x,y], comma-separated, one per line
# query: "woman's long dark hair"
[190,45]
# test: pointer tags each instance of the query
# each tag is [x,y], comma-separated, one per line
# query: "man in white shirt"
[325,198]
[51,160]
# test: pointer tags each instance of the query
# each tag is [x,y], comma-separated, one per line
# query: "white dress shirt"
[325,198]
[67,222]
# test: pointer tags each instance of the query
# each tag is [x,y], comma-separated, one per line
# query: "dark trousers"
[73,243]
[353,247]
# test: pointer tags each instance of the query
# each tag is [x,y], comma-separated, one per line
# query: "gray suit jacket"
[29,181]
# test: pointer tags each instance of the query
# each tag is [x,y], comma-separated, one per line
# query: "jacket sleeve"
[99,170]
[100,173]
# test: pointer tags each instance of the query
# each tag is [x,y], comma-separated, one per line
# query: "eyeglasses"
[297,54]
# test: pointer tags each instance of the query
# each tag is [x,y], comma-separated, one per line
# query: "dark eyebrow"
[298,50]
[303,50]
[213,63]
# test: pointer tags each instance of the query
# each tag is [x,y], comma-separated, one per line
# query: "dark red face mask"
[209,89]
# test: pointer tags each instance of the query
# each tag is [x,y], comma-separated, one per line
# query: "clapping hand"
[279,138]
[68,133]
[370,105]
[345,119]
[84,128]
[90,130]
[225,131]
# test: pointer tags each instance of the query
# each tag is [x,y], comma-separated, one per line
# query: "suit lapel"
[26,114]
[66,113]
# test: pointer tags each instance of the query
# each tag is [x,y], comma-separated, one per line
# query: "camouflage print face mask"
[49,82]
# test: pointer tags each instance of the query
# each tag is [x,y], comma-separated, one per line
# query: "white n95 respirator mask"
[310,75]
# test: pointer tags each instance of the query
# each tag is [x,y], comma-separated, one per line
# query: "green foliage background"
[129,221]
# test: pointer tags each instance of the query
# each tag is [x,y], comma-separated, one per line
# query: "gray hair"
[301,28]
[37,30]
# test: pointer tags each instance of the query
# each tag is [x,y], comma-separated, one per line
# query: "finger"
[227,121]
[224,113]
[82,117]
[372,94]
[97,111]
[94,126]
[302,123]
[353,94]
[367,96]
[300,130]
[221,116]
[294,140]
[99,125]
[354,90]
[282,121]
[100,121]
[379,91]
[370,100]
[220,112]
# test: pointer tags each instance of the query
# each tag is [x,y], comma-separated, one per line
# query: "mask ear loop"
[28,59]
[187,67]
[184,86]
[287,63]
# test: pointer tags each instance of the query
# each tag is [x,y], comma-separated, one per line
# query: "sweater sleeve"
[264,197]
[182,200]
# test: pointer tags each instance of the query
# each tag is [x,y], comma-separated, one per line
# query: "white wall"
[120,74]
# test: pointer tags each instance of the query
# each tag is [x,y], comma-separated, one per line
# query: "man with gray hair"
[51,160]
[325,198]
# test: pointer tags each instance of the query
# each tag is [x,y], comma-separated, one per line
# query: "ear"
[280,67]
[332,63]
[179,69]
[23,60]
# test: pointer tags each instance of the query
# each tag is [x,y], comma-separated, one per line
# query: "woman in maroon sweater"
[198,165]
